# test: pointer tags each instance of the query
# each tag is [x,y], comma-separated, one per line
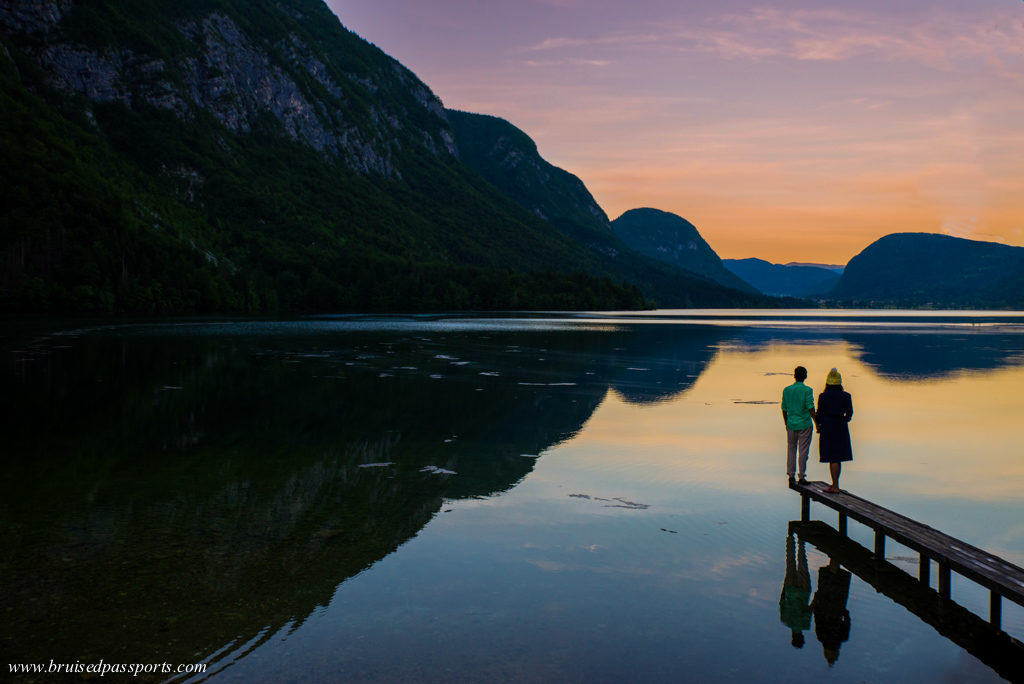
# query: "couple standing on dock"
[835,409]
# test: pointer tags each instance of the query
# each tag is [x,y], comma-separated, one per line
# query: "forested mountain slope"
[930,270]
[508,158]
[248,155]
[673,240]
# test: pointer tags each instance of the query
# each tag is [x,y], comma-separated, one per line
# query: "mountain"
[508,158]
[674,240]
[929,270]
[792,280]
[248,155]
[837,268]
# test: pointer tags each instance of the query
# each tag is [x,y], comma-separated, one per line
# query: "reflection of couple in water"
[831,619]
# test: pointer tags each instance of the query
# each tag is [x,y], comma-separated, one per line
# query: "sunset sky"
[794,130]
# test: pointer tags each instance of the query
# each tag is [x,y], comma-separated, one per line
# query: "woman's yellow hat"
[834,378]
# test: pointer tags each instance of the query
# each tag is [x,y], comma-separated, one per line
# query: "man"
[794,610]
[798,414]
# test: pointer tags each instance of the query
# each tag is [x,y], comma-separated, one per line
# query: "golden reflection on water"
[956,436]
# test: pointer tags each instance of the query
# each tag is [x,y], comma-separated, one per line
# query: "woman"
[835,409]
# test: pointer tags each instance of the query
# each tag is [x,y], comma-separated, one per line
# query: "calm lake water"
[594,498]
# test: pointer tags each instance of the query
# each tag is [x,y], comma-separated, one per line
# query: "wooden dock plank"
[985,640]
[992,572]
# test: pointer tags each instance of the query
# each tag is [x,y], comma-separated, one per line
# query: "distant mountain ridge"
[931,270]
[838,268]
[672,239]
[173,156]
[508,158]
[254,155]
[782,280]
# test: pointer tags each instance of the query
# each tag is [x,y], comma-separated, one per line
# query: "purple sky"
[792,131]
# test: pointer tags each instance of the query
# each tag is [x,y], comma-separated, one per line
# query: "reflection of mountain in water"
[655,363]
[204,490]
[905,355]
[919,356]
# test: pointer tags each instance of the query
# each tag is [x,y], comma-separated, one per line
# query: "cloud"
[782,130]
[563,42]
[960,227]
[938,38]
[573,61]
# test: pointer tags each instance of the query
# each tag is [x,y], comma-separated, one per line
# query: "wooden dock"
[1001,578]
[986,642]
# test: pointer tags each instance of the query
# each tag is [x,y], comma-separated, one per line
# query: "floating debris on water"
[625,503]
[530,456]
[561,384]
[446,357]
[638,369]
[437,471]
[436,376]
[669,531]
[754,401]
[385,464]
[385,375]
[492,374]
[622,503]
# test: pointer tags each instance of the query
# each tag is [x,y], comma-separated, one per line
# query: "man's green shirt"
[797,402]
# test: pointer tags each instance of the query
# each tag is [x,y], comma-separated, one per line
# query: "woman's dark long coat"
[835,409]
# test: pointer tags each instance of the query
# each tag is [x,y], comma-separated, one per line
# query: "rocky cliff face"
[239,78]
[254,155]
[32,16]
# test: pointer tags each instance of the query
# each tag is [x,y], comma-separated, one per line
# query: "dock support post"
[944,580]
[879,544]
[925,570]
[996,610]
[842,524]
[805,508]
